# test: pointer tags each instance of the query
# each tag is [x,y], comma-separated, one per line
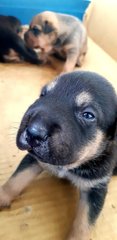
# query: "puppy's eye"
[88,116]
[19,29]
[46,22]
[35,30]
[47,27]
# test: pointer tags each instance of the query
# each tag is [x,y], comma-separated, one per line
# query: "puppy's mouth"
[43,150]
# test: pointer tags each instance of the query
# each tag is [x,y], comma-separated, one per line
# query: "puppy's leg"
[71,60]
[80,59]
[90,205]
[22,177]
[82,54]
[12,56]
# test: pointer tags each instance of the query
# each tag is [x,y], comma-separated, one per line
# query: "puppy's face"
[72,121]
[42,33]
[11,22]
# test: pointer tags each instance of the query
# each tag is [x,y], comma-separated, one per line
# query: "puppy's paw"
[5,199]
[80,60]
[14,59]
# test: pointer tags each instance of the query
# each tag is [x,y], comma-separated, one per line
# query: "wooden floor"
[46,209]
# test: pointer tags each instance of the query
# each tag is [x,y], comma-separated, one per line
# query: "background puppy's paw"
[5,199]
[12,57]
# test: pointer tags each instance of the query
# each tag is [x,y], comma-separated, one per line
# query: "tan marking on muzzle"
[89,151]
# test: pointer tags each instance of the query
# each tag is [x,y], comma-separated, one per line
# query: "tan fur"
[71,60]
[82,98]
[81,228]
[81,57]
[51,85]
[16,184]
[87,184]
[63,172]
[91,149]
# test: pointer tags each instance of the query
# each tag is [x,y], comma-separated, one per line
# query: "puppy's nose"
[36,133]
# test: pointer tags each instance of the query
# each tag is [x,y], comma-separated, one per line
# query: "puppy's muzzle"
[37,132]
[44,133]
[30,39]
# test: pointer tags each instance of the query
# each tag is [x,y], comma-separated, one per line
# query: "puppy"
[12,47]
[70,130]
[60,34]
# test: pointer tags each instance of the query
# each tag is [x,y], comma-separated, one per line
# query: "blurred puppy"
[70,132]
[12,47]
[61,34]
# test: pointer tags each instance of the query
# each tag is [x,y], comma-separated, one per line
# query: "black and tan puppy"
[70,130]
[58,33]
[12,47]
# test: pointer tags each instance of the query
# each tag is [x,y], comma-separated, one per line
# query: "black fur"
[26,162]
[96,198]
[9,39]
[11,22]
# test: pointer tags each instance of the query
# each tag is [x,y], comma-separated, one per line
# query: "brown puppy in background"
[61,34]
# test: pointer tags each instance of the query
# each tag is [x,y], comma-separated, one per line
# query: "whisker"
[11,134]
[12,127]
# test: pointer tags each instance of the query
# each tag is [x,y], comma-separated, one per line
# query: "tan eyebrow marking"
[52,84]
[83,97]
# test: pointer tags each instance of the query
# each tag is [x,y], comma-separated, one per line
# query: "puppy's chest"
[79,182]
